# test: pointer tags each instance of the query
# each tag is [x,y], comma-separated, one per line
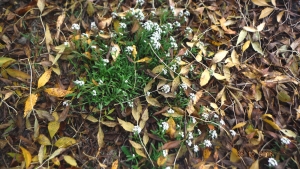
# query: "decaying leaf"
[100,137]
[220,55]
[64,142]
[260,2]
[57,92]
[70,160]
[242,36]
[265,12]
[234,155]
[27,156]
[172,128]
[153,101]
[43,140]
[53,127]
[44,78]
[239,125]
[256,46]
[204,77]
[161,160]
[289,133]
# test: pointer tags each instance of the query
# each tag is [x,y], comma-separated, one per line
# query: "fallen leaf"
[17,74]
[53,127]
[30,103]
[57,92]
[205,76]
[126,125]
[56,153]
[220,55]
[206,153]
[234,155]
[239,125]
[152,101]
[135,144]
[41,5]
[44,78]
[260,2]
[70,160]
[255,165]
[279,16]
[115,164]
[256,46]
[43,140]
[100,137]
[265,12]
[246,46]
[27,156]
[90,8]
[64,142]
[161,160]
[289,133]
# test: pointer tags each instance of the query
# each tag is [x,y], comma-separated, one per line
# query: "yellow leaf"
[53,127]
[5,59]
[161,160]
[57,92]
[137,110]
[115,52]
[70,160]
[135,144]
[61,48]
[198,95]
[206,153]
[140,152]
[56,153]
[109,123]
[234,155]
[89,118]
[145,138]
[246,45]
[44,78]
[90,8]
[279,16]
[145,59]
[204,77]
[272,123]
[199,56]
[288,133]
[219,76]
[265,12]
[172,128]
[30,103]
[158,69]
[175,84]
[100,137]
[64,142]
[134,51]
[41,154]
[126,125]
[261,26]
[43,140]
[255,165]
[27,156]
[186,81]
[116,25]
[115,165]
[239,125]
[260,2]
[56,161]
[48,38]
[220,55]
[17,74]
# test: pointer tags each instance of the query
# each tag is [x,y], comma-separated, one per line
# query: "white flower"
[138,14]
[94,93]
[136,129]
[192,96]
[216,116]
[153,13]
[113,35]
[101,32]
[180,14]
[188,30]
[168,54]
[114,15]
[79,82]
[66,103]
[128,49]
[207,143]
[140,2]
[123,25]
[170,111]
[84,35]
[183,86]
[114,49]
[181,133]
[133,155]
[105,61]
[156,44]
[148,93]
[189,142]
[75,26]
[194,120]
[222,122]
[232,132]
[148,25]
[205,115]
[173,67]
[190,135]
[285,140]
[187,13]
[130,104]
[93,47]
[272,162]
[186,19]
[199,132]
[93,25]
[165,126]
[213,134]
[166,88]
[165,71]
[100,82]
[173,42]
[196,148]
[66,43]
[176,24]
[165,153]
[191,68]
[126,81]
[178,59]
[168,167]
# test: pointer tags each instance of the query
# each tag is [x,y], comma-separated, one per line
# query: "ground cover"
[149,84]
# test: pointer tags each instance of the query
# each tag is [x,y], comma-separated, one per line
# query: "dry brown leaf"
[30,103]
[255,165]
[109,123]
[239,125]
[48,38]
[140,152]
[249,29]
[100,137]
[220,55]
[265,12]
[219,76]
[172,128]
[206,153]
[59,22]
[135,144]
[152,101]
[57,92]
[234,155]
[64,142]
[279,16]
[105,22]
[41,5]
[260,2]
[261,26]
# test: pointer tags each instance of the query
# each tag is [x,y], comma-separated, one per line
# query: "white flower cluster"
[207,143]
[199,131]
[114,15]
[170,111]
[156,35]
[181,133]
[176,24]
[167,27]
[165,153]
[140,2]
[173,67]
[94,26]
[192,96]
[196,148]
[66,103]
[205,116]
[93,47]
[222,122]
[138,14]
[173,43]
[105,61]
[79,82]
[128,49]
[75,26]
[190,135]
[189,142]
[165,71]
[178,59]
[101,81]
[66,43]
[213,134]
[166,88]
[84,35]
[232,132]
[285,140]
[130,104]
[114,49]
[136,129]
[94,93]
[188,30]
[123,25]
[165,126]
[193,120]
[183,86]
[272,162]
